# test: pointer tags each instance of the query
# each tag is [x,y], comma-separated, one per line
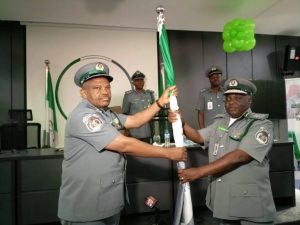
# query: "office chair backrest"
[20,115]
[20,135]
[13,136]
[33,135]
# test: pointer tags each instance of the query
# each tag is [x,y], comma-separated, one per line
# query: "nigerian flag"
[165,52]
[183,209]
[51,131]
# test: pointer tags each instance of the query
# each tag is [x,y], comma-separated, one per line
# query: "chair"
[20,135]
[33,135]
[20,115]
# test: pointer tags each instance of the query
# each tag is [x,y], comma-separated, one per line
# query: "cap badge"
[233,83]
[100,67]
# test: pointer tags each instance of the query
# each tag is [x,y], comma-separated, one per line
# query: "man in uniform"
[211,100]
[93,170]
[239,190]
[138,100]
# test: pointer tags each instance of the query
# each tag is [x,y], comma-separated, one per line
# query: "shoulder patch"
[262,136]
[258,116]
[150,91]
[93,122]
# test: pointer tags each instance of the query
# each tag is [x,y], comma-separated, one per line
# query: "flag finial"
[160,18]
[47,62]
[160,9]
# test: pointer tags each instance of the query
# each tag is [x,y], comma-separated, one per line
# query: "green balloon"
[250,24]
[236,22]
[241,35]
[233,33]
[241,44]
[250,44]
[226,35]
[236,43]
[238,35]
[228,26]
[227,46]
[240,28]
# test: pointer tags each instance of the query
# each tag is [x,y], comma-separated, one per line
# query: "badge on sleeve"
[262,136]
[93,122]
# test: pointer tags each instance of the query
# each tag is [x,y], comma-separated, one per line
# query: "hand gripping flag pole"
[184,209]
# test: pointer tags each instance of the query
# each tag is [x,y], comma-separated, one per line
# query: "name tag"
[209,105]
[216,149]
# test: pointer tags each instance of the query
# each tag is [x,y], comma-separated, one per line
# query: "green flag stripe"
[51,101]
[164,47]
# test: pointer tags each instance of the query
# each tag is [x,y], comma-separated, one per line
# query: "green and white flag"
[165,52]
[51,130]
[184,209]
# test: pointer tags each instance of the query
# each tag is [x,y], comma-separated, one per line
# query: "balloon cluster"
[238,35]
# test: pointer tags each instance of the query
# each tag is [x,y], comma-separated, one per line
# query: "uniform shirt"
[92,185]
[245,192]
[134,102]
[211,103]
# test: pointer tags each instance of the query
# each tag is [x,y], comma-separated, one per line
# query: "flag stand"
[50,133]
[46,142]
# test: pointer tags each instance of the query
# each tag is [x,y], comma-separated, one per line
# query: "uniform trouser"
[241,222]
[113,220]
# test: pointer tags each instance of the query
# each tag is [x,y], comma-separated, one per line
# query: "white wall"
[133,49]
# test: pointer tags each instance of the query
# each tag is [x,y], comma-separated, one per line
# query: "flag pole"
[46,140]
[183,209]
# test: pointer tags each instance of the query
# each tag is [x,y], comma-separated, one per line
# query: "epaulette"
[150,91]
[203,90]
[219,116]
[128,92]
[257,116]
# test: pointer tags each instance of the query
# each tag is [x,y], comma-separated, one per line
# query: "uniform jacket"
[92,185]
[211,104]
[244,192]
[134,102]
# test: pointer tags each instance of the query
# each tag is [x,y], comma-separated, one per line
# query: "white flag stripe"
[184,208]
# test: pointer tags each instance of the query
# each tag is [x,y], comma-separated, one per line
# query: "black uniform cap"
[213,70]
[138,75]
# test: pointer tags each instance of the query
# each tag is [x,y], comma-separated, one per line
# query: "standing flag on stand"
[51,131]
[184,209]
